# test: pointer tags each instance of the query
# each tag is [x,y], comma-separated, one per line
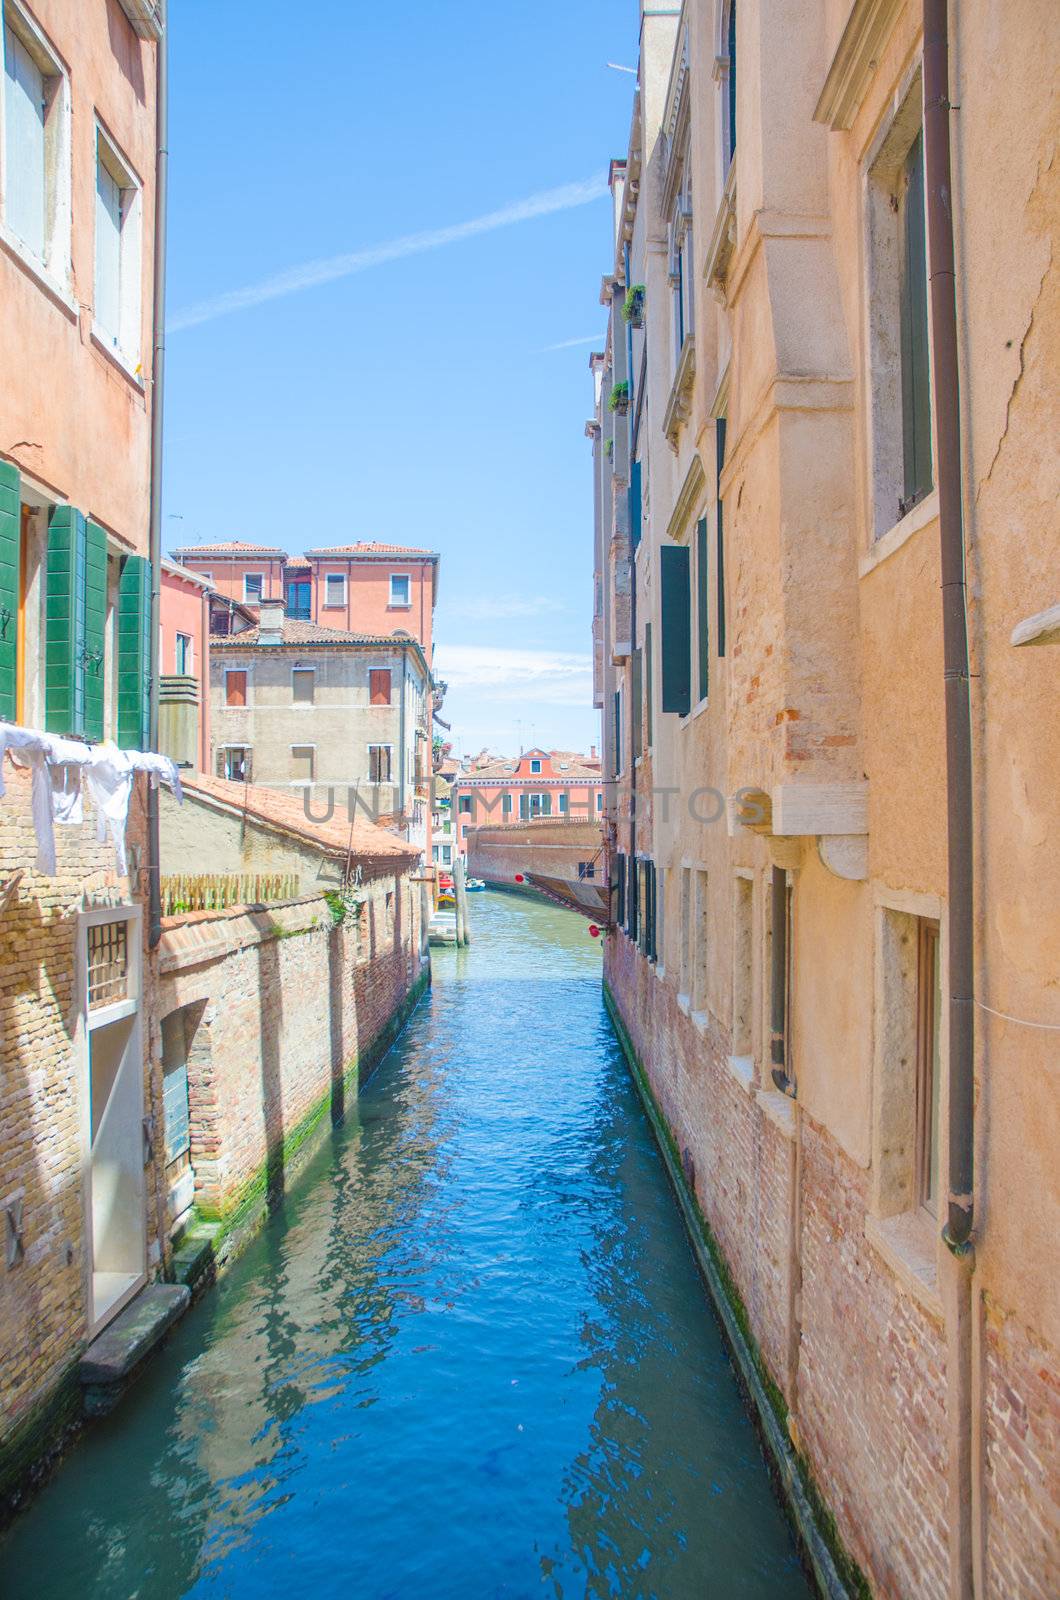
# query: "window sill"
[888,543]
[696,711]
[34,267]
[393,606]
[908,1245]
[333,605]
[779,1109]
[119,359]
[742,1069]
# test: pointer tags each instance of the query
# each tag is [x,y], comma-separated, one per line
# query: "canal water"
[471,1357]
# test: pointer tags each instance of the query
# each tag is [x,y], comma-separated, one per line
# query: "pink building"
[184,689]
[362,588]
[539,783]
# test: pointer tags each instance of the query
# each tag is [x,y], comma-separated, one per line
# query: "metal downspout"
[158,372]
[778,1047]
[401,735]
[960,1209]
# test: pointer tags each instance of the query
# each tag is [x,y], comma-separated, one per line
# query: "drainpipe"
[778,1048]
[401,732]
[960,1213]
[158,371]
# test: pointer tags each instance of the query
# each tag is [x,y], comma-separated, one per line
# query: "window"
[781,972]
[676,630]
[506,805]
[682,274]
[379,763]
[620,890]
[649,674]
[702,942]
[719,575]
[563,804]
[742,948]
[252,587]
[303,763]
[335,589]
[400,590]
[533,804]
[234,763]
[635,505]
[899,364]
[535,766]
[447,855]
[636,703]
[36,146]
[730,85]
[379,686]
[235,686]
[182,663]
[686,930]
[465,802]
[303,686]
[599,800]
[300,601]
[175,1107]
[586,869]
[928,1064]
[117,310]
[702,610]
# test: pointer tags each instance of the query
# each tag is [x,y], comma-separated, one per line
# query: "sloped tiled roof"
[295,632]
[285,810]
[566,764]
[231,547]
[370,547]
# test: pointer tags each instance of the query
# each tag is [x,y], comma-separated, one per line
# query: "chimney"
[592,752]
[270,622]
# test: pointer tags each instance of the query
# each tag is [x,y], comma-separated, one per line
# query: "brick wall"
[1021,1448]
[280,1006]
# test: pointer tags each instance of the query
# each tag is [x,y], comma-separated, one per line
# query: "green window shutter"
[648,685]
[719,577]
[64,622]
[95,621]
[702,608]
[636,701]
[134,653]
[546,805]
[916,366]
[617,731]
[620,891]
[10,553]
[634,505]
[675,602]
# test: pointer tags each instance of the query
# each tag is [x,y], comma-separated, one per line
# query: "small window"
[506,805]
[175,1102]
[233,763]
[928,1075]
[252,587]
[913,300]
[447,854]
[587,869]
[117,312]
[235,687]
[535,766]
[183,655]
[379,763]
[36,141]
[562,804]
[400,589]
[335,589]
[702,942]
[465,802]
[379,686]
[303,686]
[299,601]
[303,763]
[742,973]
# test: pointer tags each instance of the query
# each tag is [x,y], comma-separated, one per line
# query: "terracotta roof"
[232,547]
[285,809]
[565,764]
[295,632]
[371,547]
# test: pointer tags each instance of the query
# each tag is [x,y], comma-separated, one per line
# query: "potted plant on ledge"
[619,400]
[633,306]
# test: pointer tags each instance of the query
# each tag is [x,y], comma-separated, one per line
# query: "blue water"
[470,1357]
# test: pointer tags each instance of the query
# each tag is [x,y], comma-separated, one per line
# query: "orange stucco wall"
[184,609]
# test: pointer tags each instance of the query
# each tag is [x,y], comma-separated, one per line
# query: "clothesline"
[61,770]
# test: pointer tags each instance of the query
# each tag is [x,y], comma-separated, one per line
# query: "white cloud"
[569,344]
[326,270]
[547,677]
[503,606]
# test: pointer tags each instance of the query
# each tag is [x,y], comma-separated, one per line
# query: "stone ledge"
[779,1109]
[908,1246]
[742,1069]
[113,1357]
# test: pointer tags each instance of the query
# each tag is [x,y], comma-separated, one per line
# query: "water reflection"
[471,1355]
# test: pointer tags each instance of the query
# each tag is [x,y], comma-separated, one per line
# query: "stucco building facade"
[536,783]
[773,439]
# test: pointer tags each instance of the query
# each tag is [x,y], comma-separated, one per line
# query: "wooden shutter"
[10,588]
[235,688]
[916,368]
[108,253]
[675,600]
[634,505]
[636,693]
[719,576]
[64,622]
[379,687]
[620,891]
[134,653]
[24,139]
[702,608]
[92,663]
[632,898]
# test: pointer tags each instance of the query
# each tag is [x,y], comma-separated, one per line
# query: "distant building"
[539,783]
[299,706]
[184,687]
[365,587]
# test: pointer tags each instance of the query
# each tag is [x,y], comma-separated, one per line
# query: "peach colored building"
[538,783]
[366,587]
[808,435]
[184,658]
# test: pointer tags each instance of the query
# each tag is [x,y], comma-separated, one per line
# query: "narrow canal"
[471,1357]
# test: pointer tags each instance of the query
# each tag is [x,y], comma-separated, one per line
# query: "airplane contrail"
[569,344]
[326,270]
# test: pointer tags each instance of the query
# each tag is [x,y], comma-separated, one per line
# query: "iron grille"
[108,963]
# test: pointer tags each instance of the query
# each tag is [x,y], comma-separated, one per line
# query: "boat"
[473,885]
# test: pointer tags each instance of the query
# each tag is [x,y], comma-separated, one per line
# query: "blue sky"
[418,399]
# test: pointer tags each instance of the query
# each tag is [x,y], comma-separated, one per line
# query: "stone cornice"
[679,404]
[867,31]
[722,238]
[687,500]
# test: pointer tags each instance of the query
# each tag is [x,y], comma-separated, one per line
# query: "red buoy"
[594,932]
[519,878]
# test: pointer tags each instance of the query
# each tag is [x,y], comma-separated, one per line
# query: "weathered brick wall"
[282,1004]
[1021,1448]
[43,1097]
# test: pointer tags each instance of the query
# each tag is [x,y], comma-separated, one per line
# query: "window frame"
[239,672]
[250,599]
[374,672]
[928,1065]
[125,341]
[400,605]
[304,783]
[228,750]
[188,669]
[389,779]
[327,603]
[52,266]
[304,672]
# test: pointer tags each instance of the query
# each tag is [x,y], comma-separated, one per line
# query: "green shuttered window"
[134,653]
[10,545]
[719,575]
[702,608]
[636,701]
[75,611]
[634,505]
[676,642]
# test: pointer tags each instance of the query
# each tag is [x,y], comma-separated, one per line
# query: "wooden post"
[463,930]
